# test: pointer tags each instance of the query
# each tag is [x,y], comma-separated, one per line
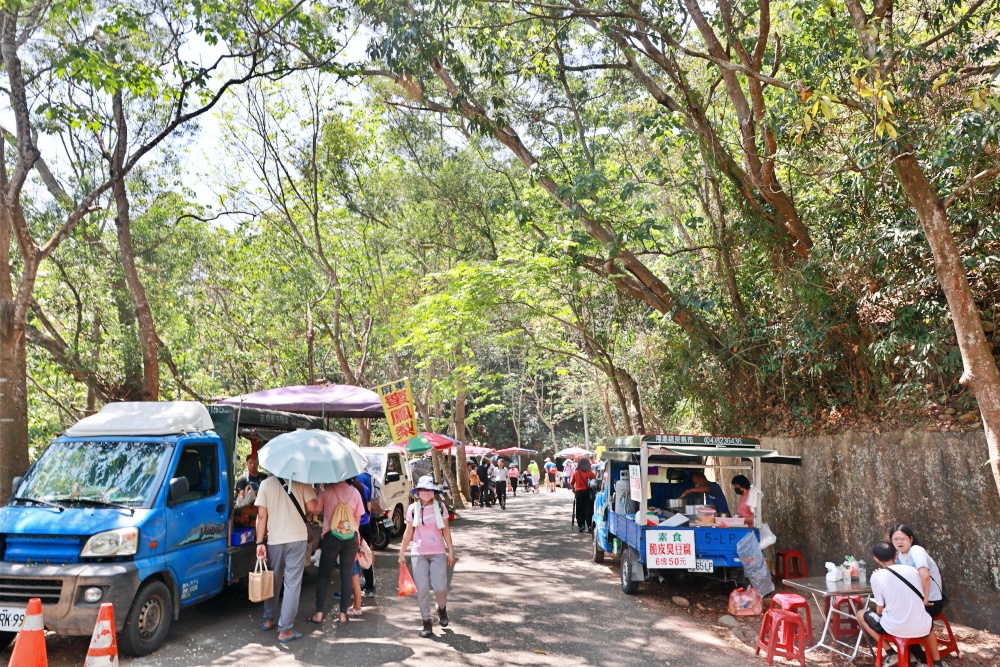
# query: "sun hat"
[547,458]
[427,483]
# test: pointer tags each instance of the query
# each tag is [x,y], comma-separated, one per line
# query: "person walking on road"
[283,539]
[432,552]
[342,508]
[568,469]
[500,476]
[364,486]
[580,482]
[550,475]
[514,477]
[474,483]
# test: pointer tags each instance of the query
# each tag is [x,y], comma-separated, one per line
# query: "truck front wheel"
[630,561]
[148,620]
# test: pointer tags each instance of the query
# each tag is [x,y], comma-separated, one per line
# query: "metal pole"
[586,431]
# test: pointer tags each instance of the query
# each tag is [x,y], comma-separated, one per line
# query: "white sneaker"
[354,612]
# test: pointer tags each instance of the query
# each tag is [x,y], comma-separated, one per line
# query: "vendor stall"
[643,515]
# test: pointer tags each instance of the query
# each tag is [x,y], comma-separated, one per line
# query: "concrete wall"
[853,487]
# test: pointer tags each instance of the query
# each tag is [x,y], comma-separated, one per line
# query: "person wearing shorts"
[899,606]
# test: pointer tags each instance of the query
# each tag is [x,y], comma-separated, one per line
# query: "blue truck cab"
[639,514]
[133,506]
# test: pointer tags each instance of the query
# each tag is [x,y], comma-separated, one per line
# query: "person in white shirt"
[909,552]
[899,606]
[499,476]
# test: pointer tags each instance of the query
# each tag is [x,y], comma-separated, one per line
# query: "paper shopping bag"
[261,582]
[406,585]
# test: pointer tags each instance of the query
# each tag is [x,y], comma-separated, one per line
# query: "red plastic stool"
[793,602]
[843,627]
[782,635]
[949,645]
[791,565]
[902,648]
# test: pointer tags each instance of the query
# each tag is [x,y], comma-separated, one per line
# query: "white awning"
[144,418]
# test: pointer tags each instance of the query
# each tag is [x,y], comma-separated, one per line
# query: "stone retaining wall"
[853,487]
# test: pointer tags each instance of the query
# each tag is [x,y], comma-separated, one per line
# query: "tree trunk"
[149,390]
[981,374]
[364,432]
[13,401]
[460,458]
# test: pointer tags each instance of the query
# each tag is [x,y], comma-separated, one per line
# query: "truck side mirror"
[179,486]
[14,484]
[391,477]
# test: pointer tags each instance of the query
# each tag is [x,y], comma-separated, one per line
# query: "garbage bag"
[754,565]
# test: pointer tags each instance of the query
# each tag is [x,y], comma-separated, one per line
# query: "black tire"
[380,537]
[6,638]
[598,551]
[398,521]
[148,620]
[630,561]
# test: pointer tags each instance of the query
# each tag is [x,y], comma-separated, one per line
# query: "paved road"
[524,593]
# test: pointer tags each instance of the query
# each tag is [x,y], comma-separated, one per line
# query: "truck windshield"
[123,473]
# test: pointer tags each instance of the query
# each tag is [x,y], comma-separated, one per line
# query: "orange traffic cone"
[103,651]
[29,649]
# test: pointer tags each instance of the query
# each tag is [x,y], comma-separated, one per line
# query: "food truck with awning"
[642,515]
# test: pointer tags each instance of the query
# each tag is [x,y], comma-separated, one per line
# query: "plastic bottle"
[846,573]
[862,573]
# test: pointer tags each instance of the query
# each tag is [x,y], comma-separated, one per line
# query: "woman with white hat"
[427,529]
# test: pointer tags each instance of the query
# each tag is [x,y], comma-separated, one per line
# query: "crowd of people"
[283,537]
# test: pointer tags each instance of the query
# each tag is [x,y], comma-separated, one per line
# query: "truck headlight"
[117,542]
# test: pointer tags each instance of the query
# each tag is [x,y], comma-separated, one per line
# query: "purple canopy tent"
[327,400]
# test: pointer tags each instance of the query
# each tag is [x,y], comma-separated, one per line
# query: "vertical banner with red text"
[397,401]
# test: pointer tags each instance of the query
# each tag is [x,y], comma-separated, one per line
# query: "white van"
[388,468]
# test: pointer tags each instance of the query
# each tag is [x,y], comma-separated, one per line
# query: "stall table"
[820,589]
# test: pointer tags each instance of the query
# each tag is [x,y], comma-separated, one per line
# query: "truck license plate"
[11,618]
[703,565]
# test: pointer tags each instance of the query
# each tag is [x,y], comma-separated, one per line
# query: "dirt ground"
[707,603]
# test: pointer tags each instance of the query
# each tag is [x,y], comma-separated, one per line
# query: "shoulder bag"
[910,586]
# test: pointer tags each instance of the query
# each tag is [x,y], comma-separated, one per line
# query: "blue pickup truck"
[134,505]
[641,516]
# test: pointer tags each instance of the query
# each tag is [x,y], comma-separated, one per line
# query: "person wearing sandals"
[283,539]
[342,509]
[431,551]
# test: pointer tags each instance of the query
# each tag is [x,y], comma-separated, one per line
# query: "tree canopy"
[740,216]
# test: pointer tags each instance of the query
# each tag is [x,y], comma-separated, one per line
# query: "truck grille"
[18,591]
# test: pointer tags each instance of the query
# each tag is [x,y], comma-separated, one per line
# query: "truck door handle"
[220,508]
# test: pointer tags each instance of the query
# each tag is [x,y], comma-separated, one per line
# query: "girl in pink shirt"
[431,552]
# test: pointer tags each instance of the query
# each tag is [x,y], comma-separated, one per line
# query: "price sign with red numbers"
[669,548]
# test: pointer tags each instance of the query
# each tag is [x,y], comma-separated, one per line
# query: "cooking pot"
[676,503]
[690,510]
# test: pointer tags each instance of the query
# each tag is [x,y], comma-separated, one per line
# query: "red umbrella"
[515,450]
[439,441]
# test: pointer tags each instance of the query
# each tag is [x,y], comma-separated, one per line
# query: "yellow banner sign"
[397,401]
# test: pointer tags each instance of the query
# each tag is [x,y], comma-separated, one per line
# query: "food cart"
[632,514]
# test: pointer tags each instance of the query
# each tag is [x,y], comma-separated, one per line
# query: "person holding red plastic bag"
[428,532]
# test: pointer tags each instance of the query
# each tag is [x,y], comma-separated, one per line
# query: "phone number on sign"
[11,619]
